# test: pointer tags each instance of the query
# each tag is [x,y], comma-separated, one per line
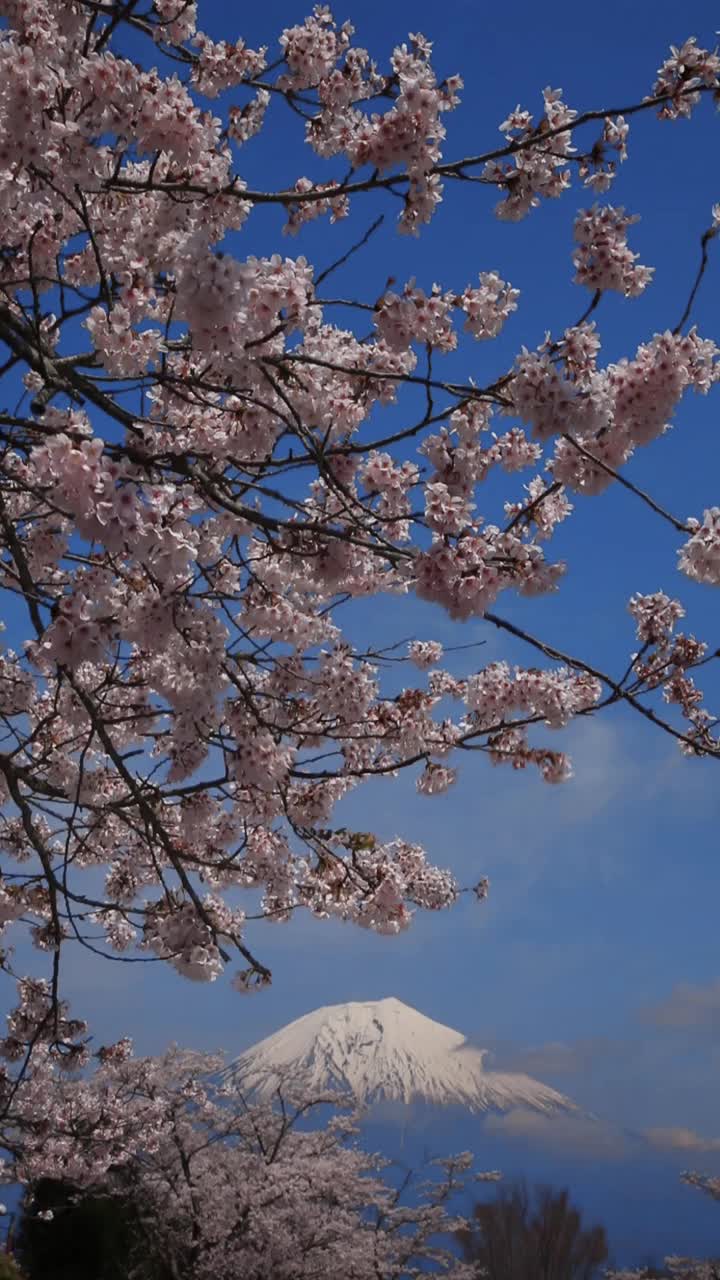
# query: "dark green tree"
[88,1237]
[8,1268]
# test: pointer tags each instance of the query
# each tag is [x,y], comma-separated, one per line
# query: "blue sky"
[604,892]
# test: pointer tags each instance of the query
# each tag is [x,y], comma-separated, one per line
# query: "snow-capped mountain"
[383,1050]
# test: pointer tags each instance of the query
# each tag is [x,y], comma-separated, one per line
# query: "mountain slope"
[384,1050]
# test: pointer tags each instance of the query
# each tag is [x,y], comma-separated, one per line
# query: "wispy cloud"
[577,1134]
[688,1006]
[556,1058]
[676,1138]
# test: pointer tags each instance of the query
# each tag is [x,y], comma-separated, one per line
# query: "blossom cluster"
[538,169]
[664,662]
[414,316]
[699,558]
[689,69]
[602,258]
[607,412]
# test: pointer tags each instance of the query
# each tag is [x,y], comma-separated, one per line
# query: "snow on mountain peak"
[384,1050]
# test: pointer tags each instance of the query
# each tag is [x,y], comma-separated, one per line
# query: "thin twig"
[360,244]
[704,247]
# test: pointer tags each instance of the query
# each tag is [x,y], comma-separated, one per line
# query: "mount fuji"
[384,1051]
[435,1095]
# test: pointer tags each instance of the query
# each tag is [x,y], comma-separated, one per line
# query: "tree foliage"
[159,1169]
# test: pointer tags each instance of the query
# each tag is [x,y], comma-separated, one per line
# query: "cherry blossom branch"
[618,694]
[452,169]
[680,525]
[705,239]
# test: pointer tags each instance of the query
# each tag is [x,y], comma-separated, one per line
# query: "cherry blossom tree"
[206,455]
[213,1186]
